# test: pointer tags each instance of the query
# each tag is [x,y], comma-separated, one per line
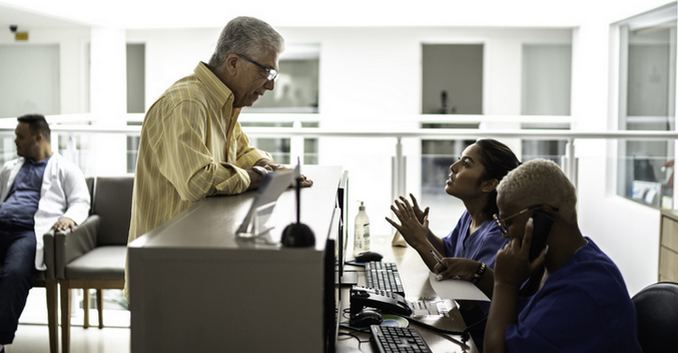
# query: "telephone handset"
[386,302]
[541,227]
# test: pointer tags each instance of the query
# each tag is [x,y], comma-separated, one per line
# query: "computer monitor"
[332,303]
[343,277]
[261,209]
[643,169]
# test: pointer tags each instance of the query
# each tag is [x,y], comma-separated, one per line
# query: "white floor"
[32,335]
[34,339]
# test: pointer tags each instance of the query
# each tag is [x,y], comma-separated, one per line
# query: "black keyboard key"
[384,276]
[389,339]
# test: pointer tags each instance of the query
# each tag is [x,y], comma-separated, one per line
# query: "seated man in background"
[38,191]
[582,304]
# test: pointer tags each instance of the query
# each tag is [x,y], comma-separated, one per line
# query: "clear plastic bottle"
[361,237]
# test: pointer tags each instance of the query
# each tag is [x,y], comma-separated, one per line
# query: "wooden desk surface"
[414,275]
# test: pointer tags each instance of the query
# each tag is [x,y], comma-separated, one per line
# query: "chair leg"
[100,307]
[65,317]
[52,316]
[85,307]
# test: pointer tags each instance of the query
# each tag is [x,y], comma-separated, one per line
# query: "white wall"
[72,66]
[30,79]
[371,77]
[172,54]
[547,72]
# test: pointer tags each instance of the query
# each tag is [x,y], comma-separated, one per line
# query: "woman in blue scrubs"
[468,252]
[582,304]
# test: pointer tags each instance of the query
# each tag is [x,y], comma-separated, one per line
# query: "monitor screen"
[342,202]
[344,278]
[643,170]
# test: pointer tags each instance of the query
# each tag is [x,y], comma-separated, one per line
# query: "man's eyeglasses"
[271,73]
[505,223]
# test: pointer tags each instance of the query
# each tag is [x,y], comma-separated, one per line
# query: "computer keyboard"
[385,293]
[384,276]
[389,339]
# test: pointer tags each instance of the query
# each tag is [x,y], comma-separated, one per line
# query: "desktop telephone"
[387,303]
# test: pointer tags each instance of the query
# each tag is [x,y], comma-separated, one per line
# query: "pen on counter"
[439,261]
[437,257]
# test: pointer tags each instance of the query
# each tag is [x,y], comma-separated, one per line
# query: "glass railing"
[374,156]
[619,194]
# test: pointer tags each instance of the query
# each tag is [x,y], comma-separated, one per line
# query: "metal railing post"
[398,182]
[296,145]
[570,161]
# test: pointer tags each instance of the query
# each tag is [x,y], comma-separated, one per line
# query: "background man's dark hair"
[37,124]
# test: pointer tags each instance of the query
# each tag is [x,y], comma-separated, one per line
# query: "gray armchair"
[93,255]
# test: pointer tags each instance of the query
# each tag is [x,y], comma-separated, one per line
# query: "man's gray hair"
[537,182]
[247,36]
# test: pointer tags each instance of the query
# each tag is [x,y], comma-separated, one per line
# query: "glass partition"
[647,102]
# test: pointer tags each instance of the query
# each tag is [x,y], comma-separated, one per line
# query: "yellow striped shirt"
[191,147]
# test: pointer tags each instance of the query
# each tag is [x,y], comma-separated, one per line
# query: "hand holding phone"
[541,227]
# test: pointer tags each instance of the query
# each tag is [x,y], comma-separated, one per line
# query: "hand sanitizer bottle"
[361,240]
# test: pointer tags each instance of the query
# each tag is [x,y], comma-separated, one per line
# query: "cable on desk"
[346,313]
[443,333]
[360,342]
[349,327]
[353,263]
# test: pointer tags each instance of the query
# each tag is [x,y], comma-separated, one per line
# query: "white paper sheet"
[456,289]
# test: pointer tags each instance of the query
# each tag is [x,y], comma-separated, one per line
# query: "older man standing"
[191,142]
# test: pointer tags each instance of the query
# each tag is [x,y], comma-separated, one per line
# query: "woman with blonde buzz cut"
[582,304]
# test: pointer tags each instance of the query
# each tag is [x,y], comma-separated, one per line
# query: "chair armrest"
[50,256]
[71,245]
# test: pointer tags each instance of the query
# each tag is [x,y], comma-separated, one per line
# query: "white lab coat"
[63,194]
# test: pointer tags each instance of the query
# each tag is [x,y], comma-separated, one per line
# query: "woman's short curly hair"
[537,182]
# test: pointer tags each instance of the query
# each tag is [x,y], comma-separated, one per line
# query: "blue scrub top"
[23,198]
[584,307]
[481,246]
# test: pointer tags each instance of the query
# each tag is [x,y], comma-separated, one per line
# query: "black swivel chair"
[657,317]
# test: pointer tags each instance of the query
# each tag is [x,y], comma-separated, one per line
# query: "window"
[545,90]
[136,95]
[452,79]
[30,79]
[647,81]
[296,92]
[452,83]
[296,88]
[136,77]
